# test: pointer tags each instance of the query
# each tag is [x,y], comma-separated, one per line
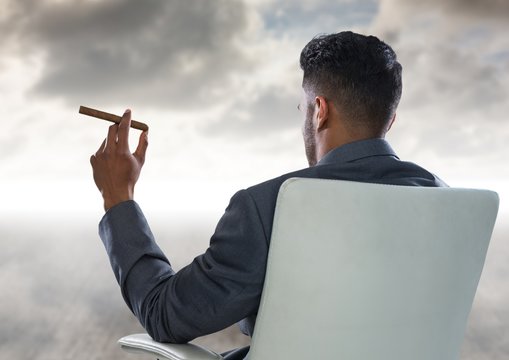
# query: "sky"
[218,83]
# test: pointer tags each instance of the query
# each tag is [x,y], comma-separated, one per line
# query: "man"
[351,89]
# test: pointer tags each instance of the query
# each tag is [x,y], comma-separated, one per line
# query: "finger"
[92,160]
[111,140]
[123,131]
[101,148]
[141,150]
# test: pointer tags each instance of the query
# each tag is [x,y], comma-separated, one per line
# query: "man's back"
[372,161]
[224,285]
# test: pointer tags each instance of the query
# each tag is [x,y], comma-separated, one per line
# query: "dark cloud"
[478,8]
[165,53]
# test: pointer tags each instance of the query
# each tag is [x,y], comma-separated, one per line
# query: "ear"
[322,112]
[391,122]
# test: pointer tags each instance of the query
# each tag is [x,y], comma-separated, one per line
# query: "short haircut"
[360,74]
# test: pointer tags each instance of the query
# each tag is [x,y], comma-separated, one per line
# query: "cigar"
[111,117]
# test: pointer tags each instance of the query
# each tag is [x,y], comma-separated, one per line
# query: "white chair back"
[362,271]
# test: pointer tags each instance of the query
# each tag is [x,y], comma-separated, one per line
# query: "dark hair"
[358,73]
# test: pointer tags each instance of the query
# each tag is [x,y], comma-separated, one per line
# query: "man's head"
[352,87]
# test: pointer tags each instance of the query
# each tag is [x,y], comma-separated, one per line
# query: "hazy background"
[218,82]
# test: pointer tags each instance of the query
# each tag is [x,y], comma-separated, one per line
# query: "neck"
[335,140]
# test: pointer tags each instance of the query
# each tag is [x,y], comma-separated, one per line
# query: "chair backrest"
[362,271]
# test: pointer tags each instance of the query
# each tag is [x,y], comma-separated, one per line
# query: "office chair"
[360,271]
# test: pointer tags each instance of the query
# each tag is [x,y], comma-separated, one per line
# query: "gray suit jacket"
[223,286]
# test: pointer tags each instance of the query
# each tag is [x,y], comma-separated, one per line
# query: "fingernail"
[127,111]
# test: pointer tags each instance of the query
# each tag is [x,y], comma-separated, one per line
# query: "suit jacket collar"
[357,150]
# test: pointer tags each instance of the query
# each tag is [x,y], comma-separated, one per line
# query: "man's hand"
[115,169]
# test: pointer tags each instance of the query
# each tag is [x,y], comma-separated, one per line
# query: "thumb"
[141,149]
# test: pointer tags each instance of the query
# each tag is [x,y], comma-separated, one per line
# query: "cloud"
[455,83]
[162,53]
[487,333]
[454,59]
[498,9]
[271,111]
[309,18]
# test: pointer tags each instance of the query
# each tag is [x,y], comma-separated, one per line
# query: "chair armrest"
[144,344]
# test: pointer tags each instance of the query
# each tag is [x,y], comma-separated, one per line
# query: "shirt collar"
[357,150]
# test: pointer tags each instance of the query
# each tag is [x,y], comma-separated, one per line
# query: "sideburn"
[309,137]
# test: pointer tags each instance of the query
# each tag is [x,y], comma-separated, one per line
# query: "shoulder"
[257,203]
[270,188]
[407,173]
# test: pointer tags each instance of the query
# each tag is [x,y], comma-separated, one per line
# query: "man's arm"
[219,288]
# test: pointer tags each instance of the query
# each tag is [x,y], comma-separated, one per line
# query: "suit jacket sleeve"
[220,287]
